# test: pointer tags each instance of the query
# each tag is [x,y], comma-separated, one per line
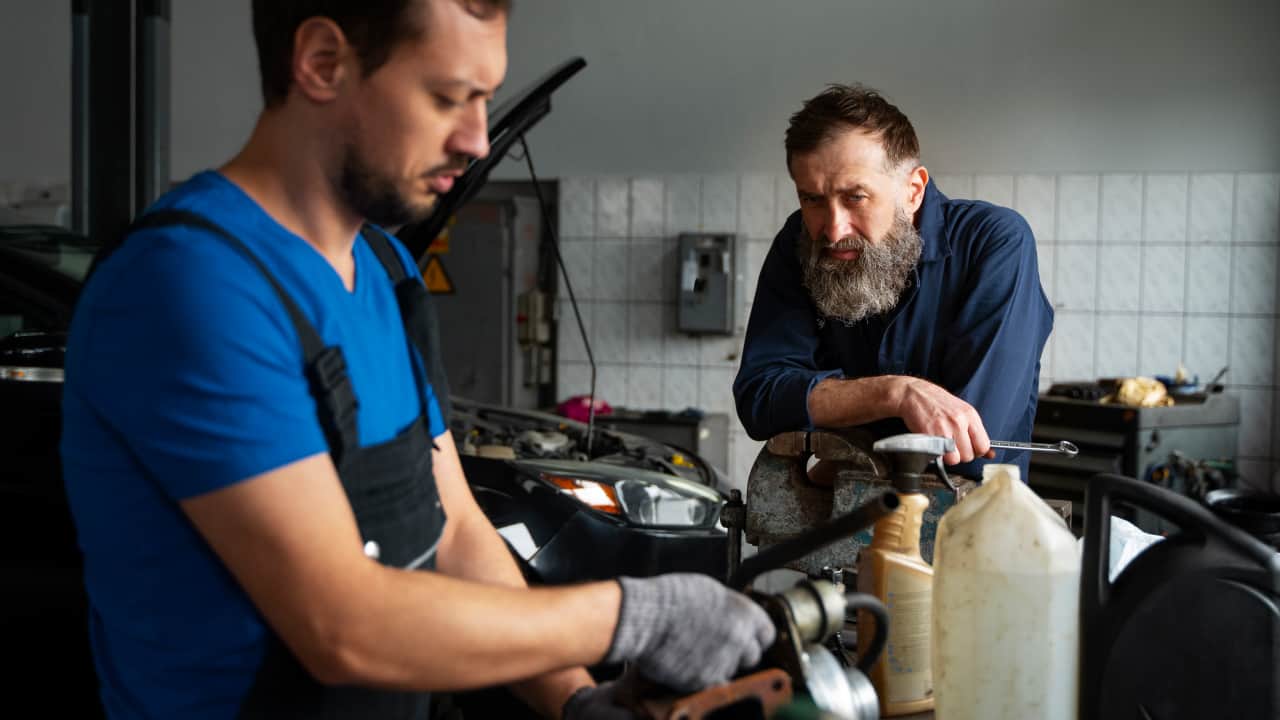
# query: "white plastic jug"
[1006,596]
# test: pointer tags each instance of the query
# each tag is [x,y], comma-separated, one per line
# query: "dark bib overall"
[389,485]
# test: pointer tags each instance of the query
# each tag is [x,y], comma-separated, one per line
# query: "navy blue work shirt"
[973,320]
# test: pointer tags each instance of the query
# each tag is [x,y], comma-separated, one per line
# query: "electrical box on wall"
[707,284]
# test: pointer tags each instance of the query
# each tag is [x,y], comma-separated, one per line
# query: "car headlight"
[643,498]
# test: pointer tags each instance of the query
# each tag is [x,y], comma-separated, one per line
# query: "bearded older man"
[884,302]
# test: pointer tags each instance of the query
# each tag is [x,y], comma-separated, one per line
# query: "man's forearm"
[924,407]
[840,402]
[477,552]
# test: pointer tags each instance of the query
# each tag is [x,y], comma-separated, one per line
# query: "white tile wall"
[1160,349]
[1164,282]
[646,338]
[715,389]
[611,384]
[1078,209]
[647,219]
[680,387]
[1255,437]
[1208,279]
[743,456]
[1211,204]
[577,208]
[1257,208]
[610,269]
[756,215]
[683,206]
[1165,210]
[1207,346]
[1117,345]
[1252,351]
[1077,281]
[612,208]
[1121,209]
[681,349]
[1034,197]
[569,336]
[955,186]
[1253,286]
[1119,278]
[720,203]
[1073,346]
[1145,272]
[609,332]
[647,274]
[996,189]
[644,387]
[1046,257]
[579,264]
[785,201]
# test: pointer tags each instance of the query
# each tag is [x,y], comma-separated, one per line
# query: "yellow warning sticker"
[440,245]
[436,277]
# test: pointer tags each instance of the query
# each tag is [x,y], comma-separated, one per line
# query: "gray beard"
[850,290]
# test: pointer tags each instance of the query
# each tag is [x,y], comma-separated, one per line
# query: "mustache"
[455,165]
[851,242]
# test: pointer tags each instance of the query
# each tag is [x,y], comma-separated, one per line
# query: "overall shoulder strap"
[325,366]
[418,313]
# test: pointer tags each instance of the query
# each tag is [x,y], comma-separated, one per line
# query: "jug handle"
[872,604]
[1192,519]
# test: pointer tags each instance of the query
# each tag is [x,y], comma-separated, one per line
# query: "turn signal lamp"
[594,495]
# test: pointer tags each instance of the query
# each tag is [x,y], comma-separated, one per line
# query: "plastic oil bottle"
[893,570]
[1005,606]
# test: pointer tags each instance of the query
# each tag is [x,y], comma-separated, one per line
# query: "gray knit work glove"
[687,631]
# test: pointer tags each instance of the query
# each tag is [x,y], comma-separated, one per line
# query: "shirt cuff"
[813,382]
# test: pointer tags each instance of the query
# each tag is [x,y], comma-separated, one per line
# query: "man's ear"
[917,181]
[321,59]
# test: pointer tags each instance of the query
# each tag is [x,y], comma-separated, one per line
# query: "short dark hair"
[373,27]
[851,107]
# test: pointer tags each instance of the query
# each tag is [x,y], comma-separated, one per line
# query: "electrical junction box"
[708,274]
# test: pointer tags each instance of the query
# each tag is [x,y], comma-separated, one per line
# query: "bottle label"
[909,674]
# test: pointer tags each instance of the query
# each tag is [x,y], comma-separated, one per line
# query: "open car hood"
[508,123]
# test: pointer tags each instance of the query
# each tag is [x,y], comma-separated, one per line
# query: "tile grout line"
[1097,276]
[1142,254]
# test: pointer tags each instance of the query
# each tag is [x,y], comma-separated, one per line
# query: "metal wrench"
[1062,448]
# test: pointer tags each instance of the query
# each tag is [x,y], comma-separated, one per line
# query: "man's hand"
[687,631]
[927,408]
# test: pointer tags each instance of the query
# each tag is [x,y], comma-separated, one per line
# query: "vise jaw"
[788,494]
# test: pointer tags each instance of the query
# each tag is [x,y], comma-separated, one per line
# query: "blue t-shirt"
[184,375]
[974,320]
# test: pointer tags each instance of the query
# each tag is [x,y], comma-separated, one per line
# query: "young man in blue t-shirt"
[272,512]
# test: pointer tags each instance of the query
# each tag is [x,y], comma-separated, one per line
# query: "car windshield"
[51,246]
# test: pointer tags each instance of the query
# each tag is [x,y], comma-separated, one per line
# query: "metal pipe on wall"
[120,111]
[151,102]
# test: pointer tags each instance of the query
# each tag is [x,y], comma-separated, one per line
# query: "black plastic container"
[1257,513]
[1190,629]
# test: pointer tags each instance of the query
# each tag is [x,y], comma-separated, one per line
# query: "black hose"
[779,555]
[872,604]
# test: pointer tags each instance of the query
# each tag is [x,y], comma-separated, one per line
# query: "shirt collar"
[932,225]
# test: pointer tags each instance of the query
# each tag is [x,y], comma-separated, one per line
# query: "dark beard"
[850,290]
[372,196]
